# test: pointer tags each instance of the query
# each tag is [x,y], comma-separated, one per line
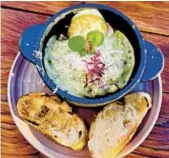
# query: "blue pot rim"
[104,99]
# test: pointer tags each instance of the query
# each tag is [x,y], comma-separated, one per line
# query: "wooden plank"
[37,155]
[150,152]
[13,23]
[4,108]
[22,20]
[148,16]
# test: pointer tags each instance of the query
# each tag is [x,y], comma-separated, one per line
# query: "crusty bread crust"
[116,124]
[54,118]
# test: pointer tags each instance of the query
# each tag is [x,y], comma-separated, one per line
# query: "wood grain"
[15,21]
[148,16]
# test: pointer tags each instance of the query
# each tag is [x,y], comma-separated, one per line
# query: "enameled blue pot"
[148,58]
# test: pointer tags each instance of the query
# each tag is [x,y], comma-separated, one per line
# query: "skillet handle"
[27,42]
[154,62]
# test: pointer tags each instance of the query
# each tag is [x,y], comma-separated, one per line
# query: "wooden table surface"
[152,18]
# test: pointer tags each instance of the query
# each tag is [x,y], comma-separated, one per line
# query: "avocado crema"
[85,74]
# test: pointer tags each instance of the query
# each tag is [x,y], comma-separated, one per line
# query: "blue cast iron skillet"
[149,60]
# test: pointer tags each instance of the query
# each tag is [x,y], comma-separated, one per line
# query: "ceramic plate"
[24,78]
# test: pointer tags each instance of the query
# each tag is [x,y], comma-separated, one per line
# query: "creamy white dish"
[104,65]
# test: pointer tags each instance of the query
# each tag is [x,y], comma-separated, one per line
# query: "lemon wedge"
[85,21]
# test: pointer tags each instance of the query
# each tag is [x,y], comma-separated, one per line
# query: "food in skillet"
[54,118]
[116,124]
[92,60]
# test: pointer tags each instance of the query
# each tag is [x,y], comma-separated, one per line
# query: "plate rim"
[40,147]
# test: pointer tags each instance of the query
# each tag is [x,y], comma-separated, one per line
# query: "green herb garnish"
[76,43]
[95,37]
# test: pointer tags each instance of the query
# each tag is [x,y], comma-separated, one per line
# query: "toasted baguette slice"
[116,124]
[53,118]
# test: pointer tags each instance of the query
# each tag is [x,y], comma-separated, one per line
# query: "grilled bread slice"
[115,125]
[54,118]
